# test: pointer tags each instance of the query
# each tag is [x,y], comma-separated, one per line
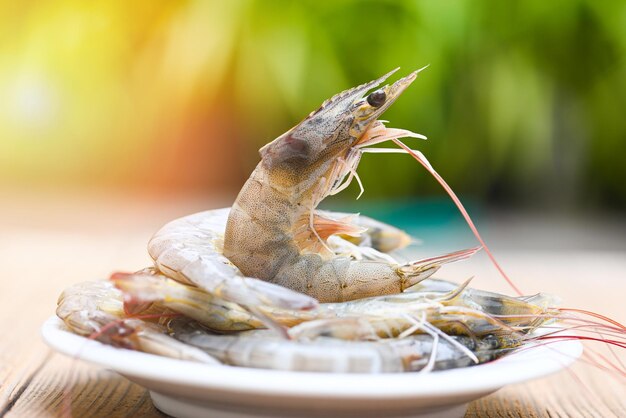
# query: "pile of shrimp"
[274,283]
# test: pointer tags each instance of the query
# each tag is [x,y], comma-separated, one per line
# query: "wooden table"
[48,243]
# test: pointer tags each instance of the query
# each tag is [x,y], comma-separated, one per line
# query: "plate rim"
[547,359]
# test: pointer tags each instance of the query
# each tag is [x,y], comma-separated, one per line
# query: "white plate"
[185,389]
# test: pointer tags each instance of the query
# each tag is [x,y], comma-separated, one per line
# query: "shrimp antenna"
[424,162]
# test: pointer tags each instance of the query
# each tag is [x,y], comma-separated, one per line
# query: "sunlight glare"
[32,102]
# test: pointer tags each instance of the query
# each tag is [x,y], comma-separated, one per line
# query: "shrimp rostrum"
[274,232]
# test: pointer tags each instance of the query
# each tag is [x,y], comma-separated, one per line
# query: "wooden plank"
[36,266]
[66,387]
[560,395]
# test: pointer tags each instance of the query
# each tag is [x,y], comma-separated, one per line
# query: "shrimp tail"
[416,271]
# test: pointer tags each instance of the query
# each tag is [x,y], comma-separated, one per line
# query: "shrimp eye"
[377,98]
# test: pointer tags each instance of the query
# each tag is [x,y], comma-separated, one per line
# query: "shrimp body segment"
[274,232]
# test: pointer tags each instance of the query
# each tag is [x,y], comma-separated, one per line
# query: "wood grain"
[39,257]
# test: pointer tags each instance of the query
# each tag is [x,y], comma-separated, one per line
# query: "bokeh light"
[522,101]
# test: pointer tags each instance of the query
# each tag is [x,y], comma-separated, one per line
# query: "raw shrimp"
[326,284]
[264,349]
[273,231]
[142,289]
[96,309]
[189,250]
[460,311]
[332,344]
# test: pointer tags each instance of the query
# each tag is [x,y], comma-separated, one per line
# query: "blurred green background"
[523,102]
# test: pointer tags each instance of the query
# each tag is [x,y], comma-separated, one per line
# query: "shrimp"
[96,309]
[189,250]
[273,231]
[331,343]
[326,284]
[460,311]
[140,290]
[264,349]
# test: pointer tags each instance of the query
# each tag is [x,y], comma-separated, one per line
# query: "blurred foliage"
[523,102]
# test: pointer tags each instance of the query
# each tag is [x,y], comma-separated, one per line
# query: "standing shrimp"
[274,232]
